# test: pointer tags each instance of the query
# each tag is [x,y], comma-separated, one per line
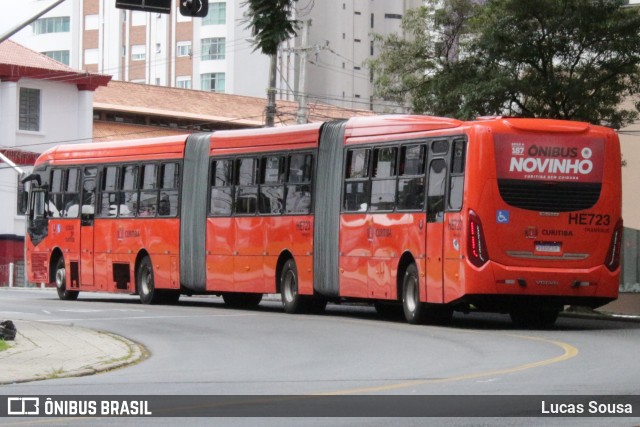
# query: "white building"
[42,103]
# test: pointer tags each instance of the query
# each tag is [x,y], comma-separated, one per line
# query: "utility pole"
[303,111]
[270,110]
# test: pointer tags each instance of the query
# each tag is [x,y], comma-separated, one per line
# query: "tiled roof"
[17,61]
[206,106]
[112,131]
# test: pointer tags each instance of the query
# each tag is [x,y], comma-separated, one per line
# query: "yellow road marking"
[569,352]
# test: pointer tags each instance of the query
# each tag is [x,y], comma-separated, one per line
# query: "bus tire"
[145,284]
[242,299]
[534,317]
[292,301]
[61,282]
[414,310]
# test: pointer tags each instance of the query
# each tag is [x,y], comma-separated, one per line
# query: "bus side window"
[148,198]
[72,194]
[246,201]
[129,194]
[456,179]
[109,198]
[436,190]
[299,175]
[383,180]
[411,180]
[221,202]
[55,200]
[169,189]
[271,200]
[356,185]
[88,196]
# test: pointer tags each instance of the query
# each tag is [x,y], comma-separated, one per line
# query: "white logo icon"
[23,406]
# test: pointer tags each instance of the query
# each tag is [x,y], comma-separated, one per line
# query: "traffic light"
[197,8]
[158,6]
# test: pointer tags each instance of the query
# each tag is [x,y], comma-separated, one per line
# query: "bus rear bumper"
[591,287]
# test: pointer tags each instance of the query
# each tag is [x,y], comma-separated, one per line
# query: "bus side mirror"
[197,8]
[33,177]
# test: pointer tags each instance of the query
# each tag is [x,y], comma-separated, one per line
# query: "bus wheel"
[242,299]
[414,310]
[291,300]
[144,282]
[61,282]
[534,317]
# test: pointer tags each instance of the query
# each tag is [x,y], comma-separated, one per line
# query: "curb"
[596,315]
[136,353]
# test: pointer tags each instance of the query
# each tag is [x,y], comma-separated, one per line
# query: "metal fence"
[630,275]
[12,274]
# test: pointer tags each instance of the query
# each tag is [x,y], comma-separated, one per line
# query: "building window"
[29,109]
[91,56]
[213,82]
[138,52]
[217,14]
[59,55]
[183,48]
[91,22]
[138,18]
[392,16]
[183,82]
[213,48]
[51,25]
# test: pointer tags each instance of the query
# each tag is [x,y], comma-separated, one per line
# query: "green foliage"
[270,23]
[566,59]
[3,345]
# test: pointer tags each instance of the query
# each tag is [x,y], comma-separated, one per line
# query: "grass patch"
[3,345]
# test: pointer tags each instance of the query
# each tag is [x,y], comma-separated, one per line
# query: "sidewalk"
[46,351]
[627,304]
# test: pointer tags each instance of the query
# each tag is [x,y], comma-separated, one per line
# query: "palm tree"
[270,23]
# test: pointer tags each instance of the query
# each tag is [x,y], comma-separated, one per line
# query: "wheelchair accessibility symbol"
[502,217]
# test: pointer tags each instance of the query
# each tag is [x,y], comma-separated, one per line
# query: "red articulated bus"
[418,214]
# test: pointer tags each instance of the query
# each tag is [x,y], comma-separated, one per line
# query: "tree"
[271,24]
[566,59]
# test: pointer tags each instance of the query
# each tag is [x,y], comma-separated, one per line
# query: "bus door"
[436,190]
[87,214]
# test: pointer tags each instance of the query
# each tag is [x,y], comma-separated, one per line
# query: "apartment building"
[212,53]
[215,53]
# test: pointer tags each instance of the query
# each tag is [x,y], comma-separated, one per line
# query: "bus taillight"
[476,246]
[613,254]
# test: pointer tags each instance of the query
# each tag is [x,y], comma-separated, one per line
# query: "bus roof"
[365,126]
[155,148]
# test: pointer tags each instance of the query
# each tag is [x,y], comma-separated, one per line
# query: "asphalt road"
[201,347]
